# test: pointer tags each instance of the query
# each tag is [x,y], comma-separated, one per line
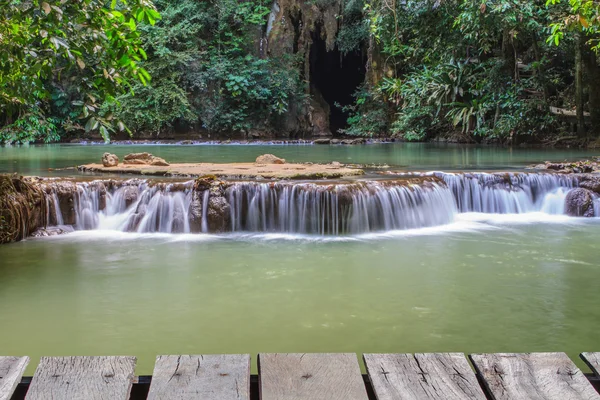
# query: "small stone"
[110,160]
[159,162]
[269,159]
[322,141]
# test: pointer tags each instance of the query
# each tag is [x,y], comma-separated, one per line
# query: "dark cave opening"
[336,77]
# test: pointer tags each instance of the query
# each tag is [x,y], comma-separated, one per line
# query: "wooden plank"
[206,377]
[593,361]
[442,376]
[82,378]
[11,371]
[310,377]
[535,376]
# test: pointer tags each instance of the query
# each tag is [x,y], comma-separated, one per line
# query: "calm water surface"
[483,284]
[36,160]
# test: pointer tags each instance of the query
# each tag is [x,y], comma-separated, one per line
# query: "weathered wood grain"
[11,371]
[310,377]
[82,378]
[440,376]
[534,376]
[206,377]
[593,361]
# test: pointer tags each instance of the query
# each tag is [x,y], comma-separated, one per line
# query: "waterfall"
[506,193]
[416,201]
[134,207]
[337,209]
[53,212]
[204,223]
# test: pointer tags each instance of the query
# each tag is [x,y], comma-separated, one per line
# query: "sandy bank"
[233,171]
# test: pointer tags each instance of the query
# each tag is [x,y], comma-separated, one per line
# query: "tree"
[581,18]
[93,43]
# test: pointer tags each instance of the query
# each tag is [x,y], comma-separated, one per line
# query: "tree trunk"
[593,80]
[541,71]
[509,54]
[579,101]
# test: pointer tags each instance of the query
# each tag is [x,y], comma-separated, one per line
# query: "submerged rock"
[52,231]
[130,195]
[269,159]
[578,167]
[110,160]
[580,203]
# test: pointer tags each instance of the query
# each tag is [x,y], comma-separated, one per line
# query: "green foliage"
[354,30]
[457,65]
[578,16]
[368,117]
[31,127]
[205,72]
[97,45]
[250,92]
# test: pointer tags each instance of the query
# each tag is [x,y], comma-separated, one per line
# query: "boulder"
[110,160]
[130,195]
[580,203]
[322,141]
[144,159]
[66,192]
[590,182]
[269,159]
[195,212]
[218,215]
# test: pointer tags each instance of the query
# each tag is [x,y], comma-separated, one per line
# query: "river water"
[477,282]
[411,156]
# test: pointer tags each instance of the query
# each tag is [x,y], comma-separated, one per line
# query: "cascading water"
[133,207]
[338,209]
[507,193]
[326,209]
[53,209]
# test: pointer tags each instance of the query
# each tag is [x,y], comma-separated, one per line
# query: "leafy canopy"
[45,40]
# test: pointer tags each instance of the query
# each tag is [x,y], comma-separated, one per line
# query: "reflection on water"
[36,160]
[483,284]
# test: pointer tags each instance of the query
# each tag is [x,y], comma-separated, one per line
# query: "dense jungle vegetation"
[471,70]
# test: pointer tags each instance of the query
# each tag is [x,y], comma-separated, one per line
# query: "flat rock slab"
[593,361]
[533,376]
[82,378]
[310,377]
[11,371]
[206,377]
[234,171]
[439,376]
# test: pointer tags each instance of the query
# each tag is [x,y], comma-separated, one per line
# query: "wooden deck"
[448,376]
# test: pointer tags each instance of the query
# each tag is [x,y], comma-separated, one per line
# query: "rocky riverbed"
[30,205]
[266,166]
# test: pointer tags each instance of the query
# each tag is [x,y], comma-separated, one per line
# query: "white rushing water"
[309,208]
